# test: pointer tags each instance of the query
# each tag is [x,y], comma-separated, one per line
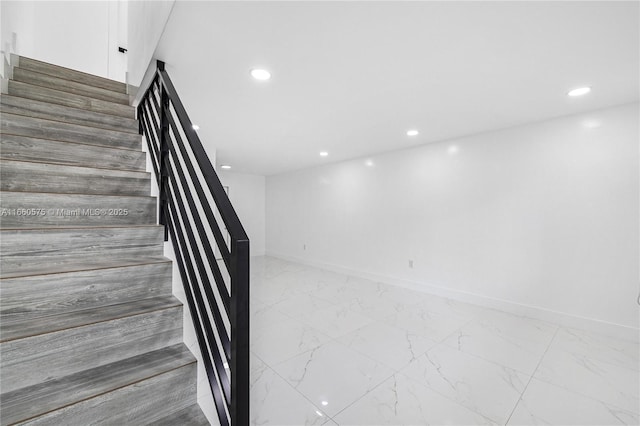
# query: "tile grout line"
[533,374]
[291,386]
[291,317]
[366,393]
[341,304]
[395,371]
[334,340]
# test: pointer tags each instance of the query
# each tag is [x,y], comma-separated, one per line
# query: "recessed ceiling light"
[579,91]
[324,154]
[196,127]
[368,163]
[453,149]
[412,132]
[325,403]
[225,167]
[260,74]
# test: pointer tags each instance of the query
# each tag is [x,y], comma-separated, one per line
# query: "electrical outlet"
[411,263]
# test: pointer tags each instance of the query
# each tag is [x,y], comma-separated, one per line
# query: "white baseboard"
[529,311]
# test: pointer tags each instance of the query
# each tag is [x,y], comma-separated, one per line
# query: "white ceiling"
[352,77]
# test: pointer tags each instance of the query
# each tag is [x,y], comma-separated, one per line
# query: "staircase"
[89,330]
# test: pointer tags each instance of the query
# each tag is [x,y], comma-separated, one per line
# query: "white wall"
[539,218]
[247,194]
[82,35]
[146,23]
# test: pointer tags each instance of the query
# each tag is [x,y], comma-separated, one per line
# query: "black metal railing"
[215,273]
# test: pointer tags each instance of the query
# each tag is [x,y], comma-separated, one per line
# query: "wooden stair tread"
[83,265]
[97,264]
[61,129]
[59,97]
[25,148]
[53,82]
[12,330]
[55,210]
[26,403]
[26,176]
[23,125]
[68,74]
[83,170]
[34,251]
[34,108]
[48,294]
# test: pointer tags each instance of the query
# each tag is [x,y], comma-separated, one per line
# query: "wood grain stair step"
[132,391]
[24,148]
[71,319]
[26,252]
[33,108]
[23,125]
[57,83]
[30,91]
[68,74]
[28,210]
[36,296]
[96,264]
[40,349]
[54,178]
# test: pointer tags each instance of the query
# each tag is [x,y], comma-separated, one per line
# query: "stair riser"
[21,210]
[58,97]
[41,177]
[31,149]
[89,330]
[36,359]
[51,82]
[46,129]
[33,108]
[26,252]
[137,404]
[68,74]
[37,296]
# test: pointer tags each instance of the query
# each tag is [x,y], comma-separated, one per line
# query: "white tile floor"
[332,349]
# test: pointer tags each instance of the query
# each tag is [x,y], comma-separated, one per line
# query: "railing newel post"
[240,332]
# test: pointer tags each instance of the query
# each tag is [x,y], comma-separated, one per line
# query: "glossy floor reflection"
[332,349]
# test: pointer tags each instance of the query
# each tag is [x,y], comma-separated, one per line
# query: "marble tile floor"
[330,349]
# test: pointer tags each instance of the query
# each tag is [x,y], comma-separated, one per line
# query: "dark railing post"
[164,156]
[240,332]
